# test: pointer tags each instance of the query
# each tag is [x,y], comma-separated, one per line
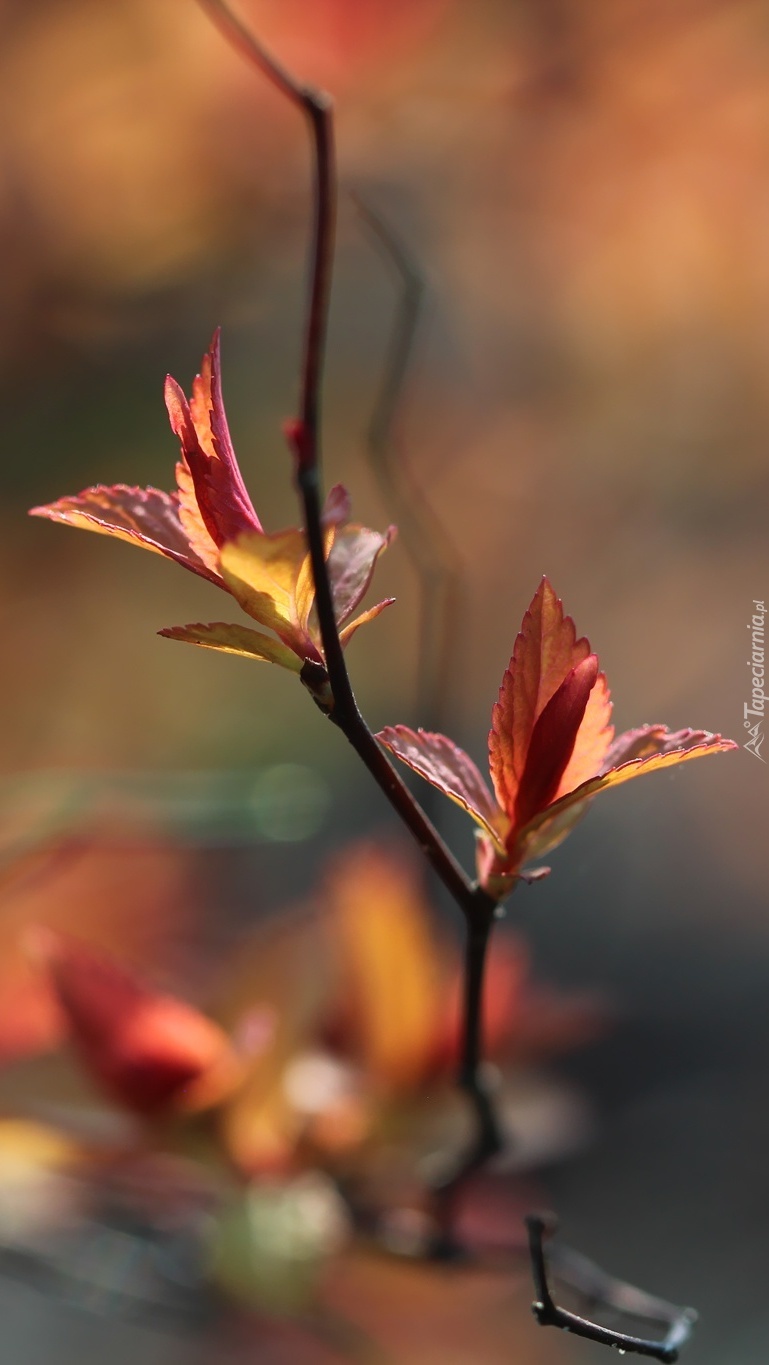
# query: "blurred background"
[584,186]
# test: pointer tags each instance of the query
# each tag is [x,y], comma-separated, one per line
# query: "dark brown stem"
[473,901]
[602,1289]
[471,1079]
[320,112]
[475,966]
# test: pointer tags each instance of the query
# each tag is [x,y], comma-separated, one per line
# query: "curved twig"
[436,559]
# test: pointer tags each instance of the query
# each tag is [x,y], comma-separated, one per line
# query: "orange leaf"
[647,740]
[593,739]
[381,931]
[279,976]
[347,632]
[304,591]
[261,1130]
[200,539]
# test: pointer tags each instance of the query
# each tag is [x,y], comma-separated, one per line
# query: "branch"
[304,431]
[597,1287]
[304,437]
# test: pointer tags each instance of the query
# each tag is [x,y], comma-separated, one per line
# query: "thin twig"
[598,1287]
[317,106]
[435,557]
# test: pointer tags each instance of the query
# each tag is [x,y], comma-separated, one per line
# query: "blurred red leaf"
[150,1051]
[134,899]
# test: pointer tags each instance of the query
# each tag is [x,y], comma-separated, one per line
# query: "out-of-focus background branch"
[586,187]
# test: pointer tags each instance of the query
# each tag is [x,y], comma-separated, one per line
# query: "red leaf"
[351,564]
[545,651]
[142,516]
[201,425]
[647,740]
[337,508]
[552,740]
[697,744]
[441,762]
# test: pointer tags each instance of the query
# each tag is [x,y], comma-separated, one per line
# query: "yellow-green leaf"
[232,639]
